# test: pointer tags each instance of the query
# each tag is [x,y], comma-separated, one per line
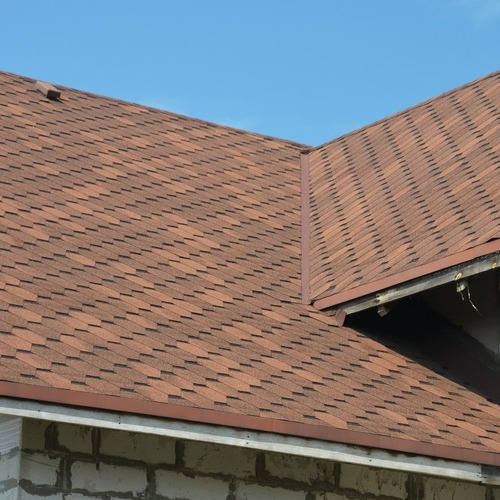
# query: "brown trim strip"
[204,416]
[416,272]
[338,315]
[305,227]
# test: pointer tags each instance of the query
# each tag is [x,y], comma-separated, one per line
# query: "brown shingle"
[156,258]
[405,192]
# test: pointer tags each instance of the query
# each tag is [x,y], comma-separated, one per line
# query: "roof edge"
[259,441]
[410,274]
[253,423]
[414,106]
[202,121]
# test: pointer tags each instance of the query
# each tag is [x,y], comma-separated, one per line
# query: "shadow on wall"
[418,332]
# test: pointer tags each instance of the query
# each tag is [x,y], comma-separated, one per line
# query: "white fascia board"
[262,441]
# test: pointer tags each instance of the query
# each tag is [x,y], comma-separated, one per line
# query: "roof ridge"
[406,110]
[152,108]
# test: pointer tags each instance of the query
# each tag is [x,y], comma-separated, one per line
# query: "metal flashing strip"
[459,258]
[245,423]
[306,228]
[262,441]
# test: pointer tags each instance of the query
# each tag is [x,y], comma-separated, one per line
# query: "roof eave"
[277,431]
[271,442]
[450,268]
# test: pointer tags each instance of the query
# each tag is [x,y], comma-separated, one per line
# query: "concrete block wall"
[10,456]
[66,462]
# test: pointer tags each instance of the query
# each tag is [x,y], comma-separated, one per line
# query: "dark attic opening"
[454,329]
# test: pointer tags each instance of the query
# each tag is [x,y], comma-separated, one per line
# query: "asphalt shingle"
[154,257]
[406,191]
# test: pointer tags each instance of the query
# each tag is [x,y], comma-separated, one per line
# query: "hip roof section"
[403,195]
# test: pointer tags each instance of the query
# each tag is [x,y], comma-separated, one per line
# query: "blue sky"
[304,70]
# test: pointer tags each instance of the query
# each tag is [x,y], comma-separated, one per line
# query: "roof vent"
[48,90]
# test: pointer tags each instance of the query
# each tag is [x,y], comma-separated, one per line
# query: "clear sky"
[303,70]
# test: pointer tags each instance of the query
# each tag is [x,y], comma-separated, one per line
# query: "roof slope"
[151,262]
[405,192]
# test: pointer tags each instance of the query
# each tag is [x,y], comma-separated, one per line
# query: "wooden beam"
[455,273]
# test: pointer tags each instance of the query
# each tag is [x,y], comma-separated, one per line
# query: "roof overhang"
[318,441]
[452,268]
[261,441]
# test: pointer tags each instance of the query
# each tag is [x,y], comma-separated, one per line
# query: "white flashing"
[262,441]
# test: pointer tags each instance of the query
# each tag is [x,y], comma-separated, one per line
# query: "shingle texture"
[406,191]
[155,257]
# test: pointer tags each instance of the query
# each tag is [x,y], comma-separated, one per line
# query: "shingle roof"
[150,258]
[405,192]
